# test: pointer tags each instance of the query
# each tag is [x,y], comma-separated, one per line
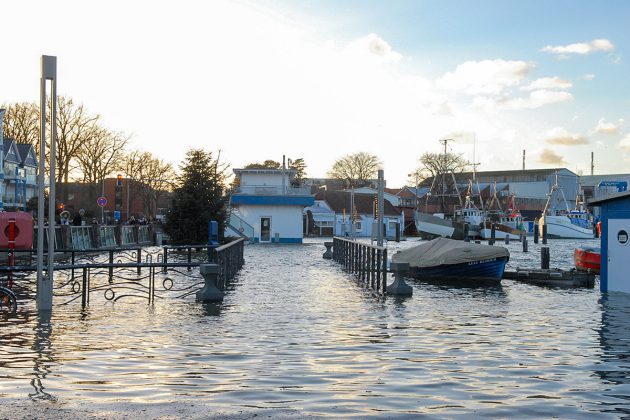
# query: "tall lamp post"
[45,285]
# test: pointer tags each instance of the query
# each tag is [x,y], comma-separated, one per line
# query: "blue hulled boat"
[455,261]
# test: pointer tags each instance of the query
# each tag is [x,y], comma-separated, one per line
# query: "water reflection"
[43,356]
[295,332]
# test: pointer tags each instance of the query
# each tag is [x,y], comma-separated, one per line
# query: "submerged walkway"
[296,336]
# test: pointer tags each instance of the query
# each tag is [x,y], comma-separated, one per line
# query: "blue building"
[615,254]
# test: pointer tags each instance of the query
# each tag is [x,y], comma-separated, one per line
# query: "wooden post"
[536,232]
[525,245]
[544,234]
[544,257]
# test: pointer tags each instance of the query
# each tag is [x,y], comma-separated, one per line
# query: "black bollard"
[536,234]
[493,234]
[544,257]
[525,245]
[544,234]
[507,239]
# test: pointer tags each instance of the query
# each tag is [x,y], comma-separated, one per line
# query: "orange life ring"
[23,233]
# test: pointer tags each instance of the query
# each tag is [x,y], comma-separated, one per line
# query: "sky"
[318,80]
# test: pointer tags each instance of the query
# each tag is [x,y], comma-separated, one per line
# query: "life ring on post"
[22,225]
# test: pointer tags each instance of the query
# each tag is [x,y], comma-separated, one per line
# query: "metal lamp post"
[45,285]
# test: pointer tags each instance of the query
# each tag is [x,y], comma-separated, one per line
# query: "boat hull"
[501,231]
[429,225]
[560,227]
[587,259]
[473,273]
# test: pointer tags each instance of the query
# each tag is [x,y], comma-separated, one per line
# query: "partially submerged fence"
[367,262]
[97,236]
[115,274]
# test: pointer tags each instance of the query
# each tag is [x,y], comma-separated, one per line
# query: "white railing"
[271,190]
[240,225]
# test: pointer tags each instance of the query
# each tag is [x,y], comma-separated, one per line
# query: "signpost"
[101,201]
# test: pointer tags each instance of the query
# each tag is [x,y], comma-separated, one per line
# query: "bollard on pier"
[398,286]
[544,234]
[328,254]
[210,292]
[536,233]
[525,245]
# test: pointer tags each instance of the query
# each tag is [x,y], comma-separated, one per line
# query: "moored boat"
[587,258]
[431,226]
[449,260]
[565,224]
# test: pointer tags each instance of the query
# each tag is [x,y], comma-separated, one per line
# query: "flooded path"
[295,336]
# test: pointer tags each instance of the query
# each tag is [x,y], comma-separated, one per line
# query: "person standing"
[78,219]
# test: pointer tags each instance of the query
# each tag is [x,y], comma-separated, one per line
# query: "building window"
[392,225]
[358,226]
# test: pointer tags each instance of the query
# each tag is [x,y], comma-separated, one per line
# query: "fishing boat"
[470,214]
[447,260]
[508,223]
[587,258]
[565,223]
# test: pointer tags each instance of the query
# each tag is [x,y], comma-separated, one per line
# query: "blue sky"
[321,79]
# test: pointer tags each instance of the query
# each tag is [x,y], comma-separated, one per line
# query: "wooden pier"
[553,277]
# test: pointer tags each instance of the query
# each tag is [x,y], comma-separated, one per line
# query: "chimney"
[523,159]
[592,163]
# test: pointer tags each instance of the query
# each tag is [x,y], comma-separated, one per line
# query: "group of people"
[77,220]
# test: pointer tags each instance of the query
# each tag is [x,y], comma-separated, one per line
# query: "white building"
[331,215]
[266,207]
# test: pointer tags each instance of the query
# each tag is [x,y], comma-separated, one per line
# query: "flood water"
[296,336]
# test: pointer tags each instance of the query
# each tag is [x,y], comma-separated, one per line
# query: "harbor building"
[332,215]
[531,188]
[266,207]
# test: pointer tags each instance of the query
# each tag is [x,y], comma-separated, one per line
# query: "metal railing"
[229,258]
[272,190]
[367,262]
[240,226]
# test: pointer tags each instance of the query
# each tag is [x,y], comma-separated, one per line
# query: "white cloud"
[487,77]
[624,143]
[605,127]
[536,99]
[548,83]
[588,76]
[561,136]
[549,157]
[373,46]
[581,47]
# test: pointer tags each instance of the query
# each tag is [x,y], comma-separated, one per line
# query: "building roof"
[290,172]
[594,180]
[340,200]
[22,150]
[618,196]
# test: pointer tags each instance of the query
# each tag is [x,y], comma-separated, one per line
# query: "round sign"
[622,237]
[101,201]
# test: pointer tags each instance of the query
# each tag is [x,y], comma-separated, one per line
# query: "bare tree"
[434,164]
[100,155]
[151,178]
[356,169]
[74,127]
[21,122]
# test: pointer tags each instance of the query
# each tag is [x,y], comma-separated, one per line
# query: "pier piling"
[507,239]
[544,234]
[524,244]
[536,233]
[544,257]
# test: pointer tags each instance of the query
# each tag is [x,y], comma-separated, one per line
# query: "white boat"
[433,226]
[564,223]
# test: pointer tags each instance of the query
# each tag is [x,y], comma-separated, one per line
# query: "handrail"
[367,262]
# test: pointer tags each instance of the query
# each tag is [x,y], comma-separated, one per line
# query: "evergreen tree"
[197,199]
